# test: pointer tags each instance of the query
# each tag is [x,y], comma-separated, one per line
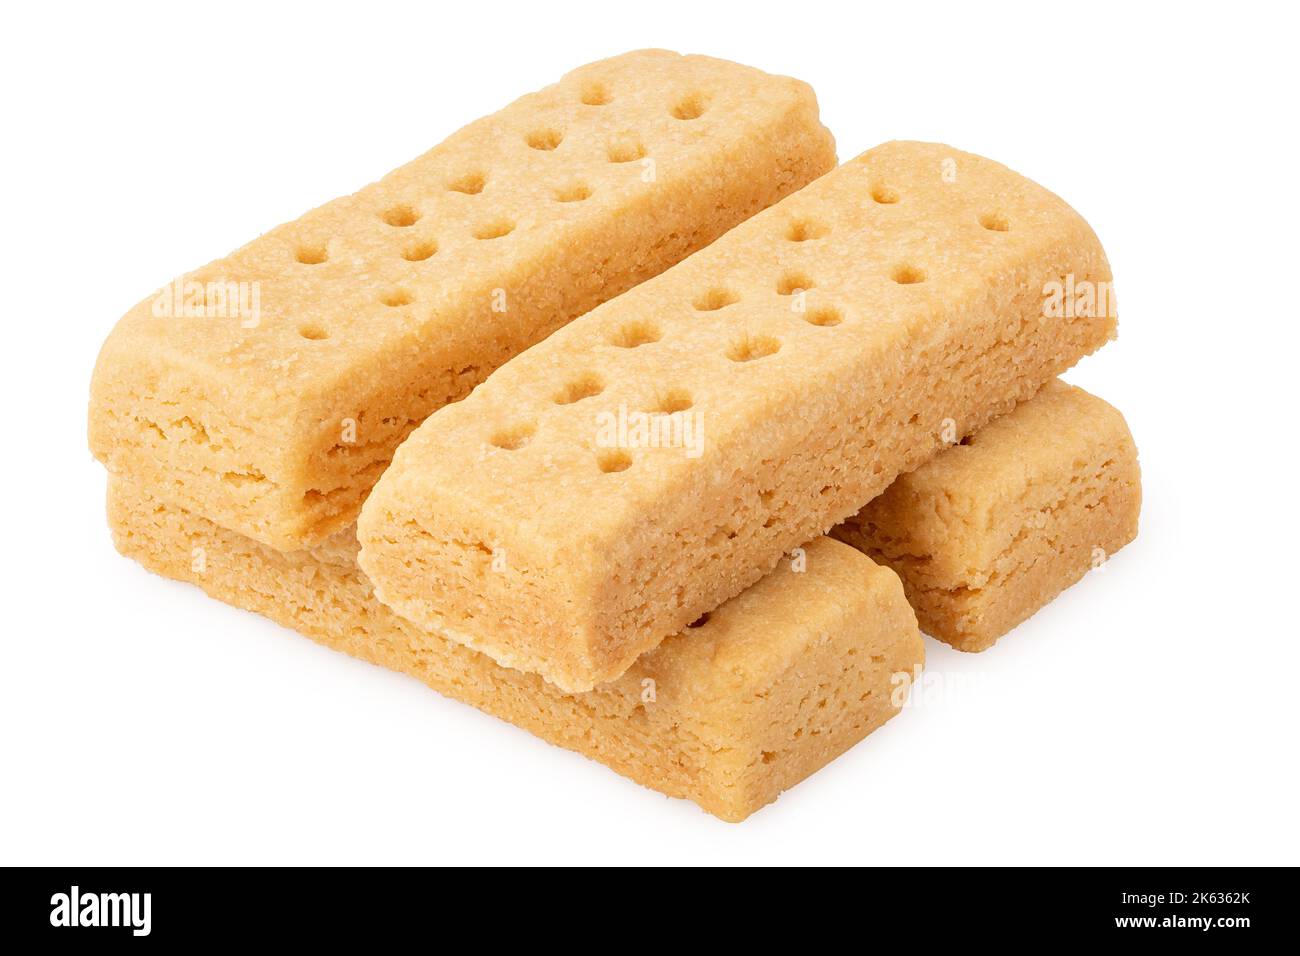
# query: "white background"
[1148,716]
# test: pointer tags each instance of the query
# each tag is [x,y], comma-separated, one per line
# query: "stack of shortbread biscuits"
[625,416]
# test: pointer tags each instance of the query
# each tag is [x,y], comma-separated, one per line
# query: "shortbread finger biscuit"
[774,685]
[991,530]
[816,352]
[268,390]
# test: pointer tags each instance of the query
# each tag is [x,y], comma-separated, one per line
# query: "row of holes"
[635,334]
[621,148]
[792,283]
[609,460]
[589,385]
[805,230]
[689,107]
[992,221]
[624,148]
[401,216]
[801,230]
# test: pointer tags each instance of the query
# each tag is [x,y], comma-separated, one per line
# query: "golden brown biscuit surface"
[817,350]
[774,685]
[269,389]
[991,530]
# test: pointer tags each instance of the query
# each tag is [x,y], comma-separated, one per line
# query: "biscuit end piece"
[992,530]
